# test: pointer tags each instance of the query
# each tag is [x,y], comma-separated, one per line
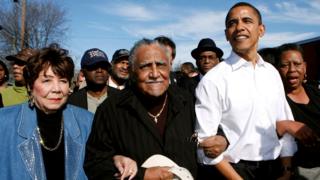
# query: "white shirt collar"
[113,84]
[237,62]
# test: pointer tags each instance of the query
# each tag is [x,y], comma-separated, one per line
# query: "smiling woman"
[47,137]
[48,78]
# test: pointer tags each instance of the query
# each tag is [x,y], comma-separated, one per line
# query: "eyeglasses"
[210,58]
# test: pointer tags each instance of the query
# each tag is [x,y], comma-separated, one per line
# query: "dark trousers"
[248,170]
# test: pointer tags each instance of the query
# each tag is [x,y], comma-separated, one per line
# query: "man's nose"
[154,71]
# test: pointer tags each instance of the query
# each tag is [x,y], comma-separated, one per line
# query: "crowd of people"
[250,116]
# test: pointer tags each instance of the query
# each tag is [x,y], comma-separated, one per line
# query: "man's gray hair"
[138,44]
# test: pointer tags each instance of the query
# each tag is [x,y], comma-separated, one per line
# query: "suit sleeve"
[99,149]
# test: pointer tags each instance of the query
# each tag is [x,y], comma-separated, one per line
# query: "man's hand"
[213,146]
[126,166]
[158,173]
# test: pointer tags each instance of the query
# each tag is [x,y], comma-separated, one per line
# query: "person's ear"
[262,30]
[225,33]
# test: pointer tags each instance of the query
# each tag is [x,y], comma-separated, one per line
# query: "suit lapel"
[73,149]
[142,116]
[30,150]
[73,153]
[31,155]
[176,104]
[130,102]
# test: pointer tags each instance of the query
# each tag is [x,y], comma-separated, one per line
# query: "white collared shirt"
[246,101]
[113,84]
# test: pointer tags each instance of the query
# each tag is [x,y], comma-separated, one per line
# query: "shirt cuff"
[288,145]
[203,159]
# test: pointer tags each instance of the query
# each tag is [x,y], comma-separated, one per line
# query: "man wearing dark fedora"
[17,93]
[207,55]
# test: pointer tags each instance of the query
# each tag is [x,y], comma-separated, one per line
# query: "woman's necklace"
[59,141]
[155,117]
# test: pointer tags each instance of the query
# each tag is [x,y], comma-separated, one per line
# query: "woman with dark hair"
[304,101]
[44,138]
[4,75]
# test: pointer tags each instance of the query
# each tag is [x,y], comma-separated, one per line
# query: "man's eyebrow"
[247,17]
[145,63]
[150,62]
[161,61]
[231,20]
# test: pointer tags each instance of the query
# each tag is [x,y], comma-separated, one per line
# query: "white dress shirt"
[246,101]
[113,84]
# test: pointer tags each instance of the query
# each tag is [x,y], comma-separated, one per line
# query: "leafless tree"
[45,24]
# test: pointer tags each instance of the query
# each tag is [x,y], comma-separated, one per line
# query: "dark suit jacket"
[173,78]
[189,83]
[122,126]
[79,98]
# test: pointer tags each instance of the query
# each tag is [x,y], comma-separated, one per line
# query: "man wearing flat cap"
[119,73]
[94,66]
[17,93]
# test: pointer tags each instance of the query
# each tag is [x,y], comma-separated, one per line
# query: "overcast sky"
[113,24]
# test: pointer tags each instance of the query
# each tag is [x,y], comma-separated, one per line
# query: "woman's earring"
[31,101]
[305,78]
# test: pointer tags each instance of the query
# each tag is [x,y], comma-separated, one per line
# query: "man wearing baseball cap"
[119,73]
[94,66]
[17,93]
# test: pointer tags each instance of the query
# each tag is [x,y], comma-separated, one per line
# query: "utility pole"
[23,22]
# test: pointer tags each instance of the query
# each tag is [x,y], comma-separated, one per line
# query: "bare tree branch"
[45,24]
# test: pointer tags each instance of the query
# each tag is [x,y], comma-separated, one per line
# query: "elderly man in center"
[147,118]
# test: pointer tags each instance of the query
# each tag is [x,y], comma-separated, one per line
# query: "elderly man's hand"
[127,167]
[158,173]
[213,146]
